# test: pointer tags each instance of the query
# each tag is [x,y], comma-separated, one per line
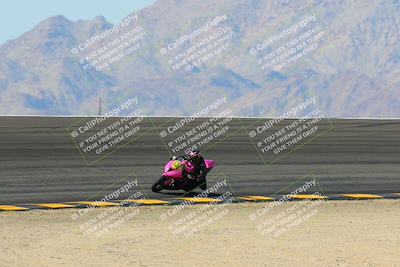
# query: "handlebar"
[179,157]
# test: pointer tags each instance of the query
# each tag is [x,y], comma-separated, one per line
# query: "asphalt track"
[39,161]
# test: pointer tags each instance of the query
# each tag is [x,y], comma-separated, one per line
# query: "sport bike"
[175,172]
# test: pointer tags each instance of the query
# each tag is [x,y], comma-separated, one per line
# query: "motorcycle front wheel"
[203,184]
[159,185]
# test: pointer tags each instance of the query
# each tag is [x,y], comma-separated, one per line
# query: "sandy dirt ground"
[329,233]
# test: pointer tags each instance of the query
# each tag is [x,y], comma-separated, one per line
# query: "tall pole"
[99,106]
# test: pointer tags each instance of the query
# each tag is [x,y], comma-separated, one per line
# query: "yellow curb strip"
[96,203]
[147,201]
[362,196]
[308,197]
[200,200]
[12,208]
[54,205]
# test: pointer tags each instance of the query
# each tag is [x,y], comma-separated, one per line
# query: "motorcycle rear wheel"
[190,185]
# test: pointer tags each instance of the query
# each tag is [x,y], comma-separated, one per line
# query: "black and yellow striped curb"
[188,200]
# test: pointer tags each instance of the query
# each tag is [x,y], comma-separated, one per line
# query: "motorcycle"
[173,177]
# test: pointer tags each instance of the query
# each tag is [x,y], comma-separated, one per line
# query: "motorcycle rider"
[198,163]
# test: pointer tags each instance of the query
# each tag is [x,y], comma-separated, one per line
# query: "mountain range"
[353,72]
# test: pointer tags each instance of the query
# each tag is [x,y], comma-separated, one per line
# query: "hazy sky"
[19,16]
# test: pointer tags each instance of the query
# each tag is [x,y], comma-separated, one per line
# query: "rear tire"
[203,185]
[190,185]
[159,185]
